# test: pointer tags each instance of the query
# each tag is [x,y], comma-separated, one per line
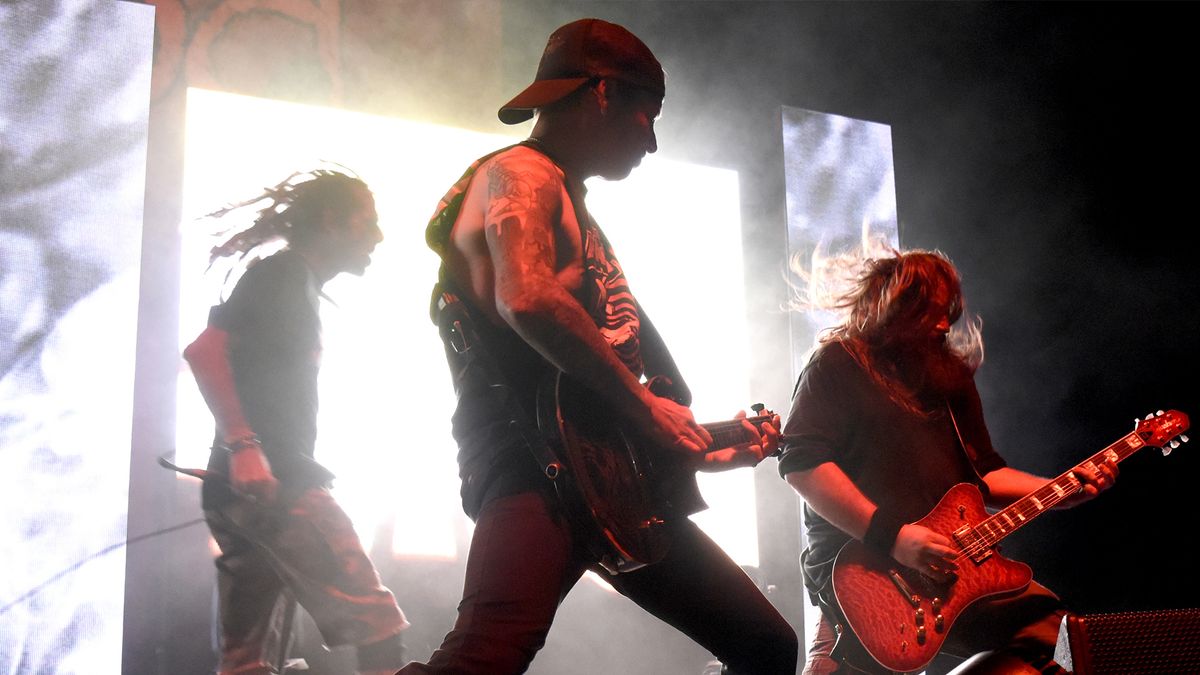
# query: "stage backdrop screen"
[74,102]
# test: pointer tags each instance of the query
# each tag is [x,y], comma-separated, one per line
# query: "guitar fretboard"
[732,432]
[989,532]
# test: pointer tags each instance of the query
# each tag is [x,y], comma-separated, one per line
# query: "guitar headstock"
[762,414]
[1160,430]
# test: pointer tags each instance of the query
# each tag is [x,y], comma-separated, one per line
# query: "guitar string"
[982,537]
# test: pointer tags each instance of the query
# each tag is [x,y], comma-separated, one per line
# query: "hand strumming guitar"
[925,551]
[672,425]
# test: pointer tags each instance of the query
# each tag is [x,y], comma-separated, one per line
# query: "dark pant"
[524,559]
[1020,634]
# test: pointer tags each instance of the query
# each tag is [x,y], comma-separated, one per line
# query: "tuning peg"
[758,407]
[1150,416]
[1166,449]
[1158,414]
[1183,437]
[1174,444]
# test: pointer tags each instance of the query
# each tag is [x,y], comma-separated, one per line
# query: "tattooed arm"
[529,252]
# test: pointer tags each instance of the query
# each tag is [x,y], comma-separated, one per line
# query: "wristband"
[882,532]
[242,443]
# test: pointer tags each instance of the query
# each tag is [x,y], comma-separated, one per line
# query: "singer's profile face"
[630,136]
[357,233]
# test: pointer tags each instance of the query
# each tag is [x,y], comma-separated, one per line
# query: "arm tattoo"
[521,213]
[521,194]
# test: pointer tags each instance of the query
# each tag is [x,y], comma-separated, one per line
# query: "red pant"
[524,559]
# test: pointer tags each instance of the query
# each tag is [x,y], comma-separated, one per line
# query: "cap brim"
[537,95]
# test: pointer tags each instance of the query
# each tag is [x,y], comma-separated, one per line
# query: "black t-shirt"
[272,318]
[902,462]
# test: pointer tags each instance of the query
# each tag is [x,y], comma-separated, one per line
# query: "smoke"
[1032,144]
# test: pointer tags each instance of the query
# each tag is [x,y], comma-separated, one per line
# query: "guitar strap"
[456,322]
[967,448]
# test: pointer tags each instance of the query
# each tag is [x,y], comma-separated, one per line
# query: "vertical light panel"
[74,104]
[386,397]
[841,207]
[677,229]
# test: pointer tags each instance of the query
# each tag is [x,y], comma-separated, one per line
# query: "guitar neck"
[1010,519]
[732,432]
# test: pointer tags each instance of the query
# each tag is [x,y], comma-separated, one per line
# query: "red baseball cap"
[581,51]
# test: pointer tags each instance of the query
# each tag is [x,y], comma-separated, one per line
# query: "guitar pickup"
[913,599]
[966,539]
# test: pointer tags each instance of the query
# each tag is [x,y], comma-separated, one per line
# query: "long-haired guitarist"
[886,418]
[530,287]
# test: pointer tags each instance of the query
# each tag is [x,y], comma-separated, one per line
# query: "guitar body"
[623,490]
[887,620]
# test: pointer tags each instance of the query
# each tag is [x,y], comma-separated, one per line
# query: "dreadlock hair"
[293,211]
[892,295]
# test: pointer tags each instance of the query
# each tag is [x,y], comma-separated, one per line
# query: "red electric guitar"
[901,617]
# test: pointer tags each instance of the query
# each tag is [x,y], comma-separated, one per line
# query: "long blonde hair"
[892,295]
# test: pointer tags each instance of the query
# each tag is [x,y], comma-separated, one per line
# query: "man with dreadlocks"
[283,538]
[871,444]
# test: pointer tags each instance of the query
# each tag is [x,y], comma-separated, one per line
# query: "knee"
[787,645]
[774,650]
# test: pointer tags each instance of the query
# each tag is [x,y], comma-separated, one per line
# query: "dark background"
[1043,147]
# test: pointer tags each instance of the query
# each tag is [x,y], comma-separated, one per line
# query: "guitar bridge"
[904,588]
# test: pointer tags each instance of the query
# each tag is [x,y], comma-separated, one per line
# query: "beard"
[930,368]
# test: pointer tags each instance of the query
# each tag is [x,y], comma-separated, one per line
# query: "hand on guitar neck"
[761,441]
[713,447]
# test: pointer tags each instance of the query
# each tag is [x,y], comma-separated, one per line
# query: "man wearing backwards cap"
[525,265]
